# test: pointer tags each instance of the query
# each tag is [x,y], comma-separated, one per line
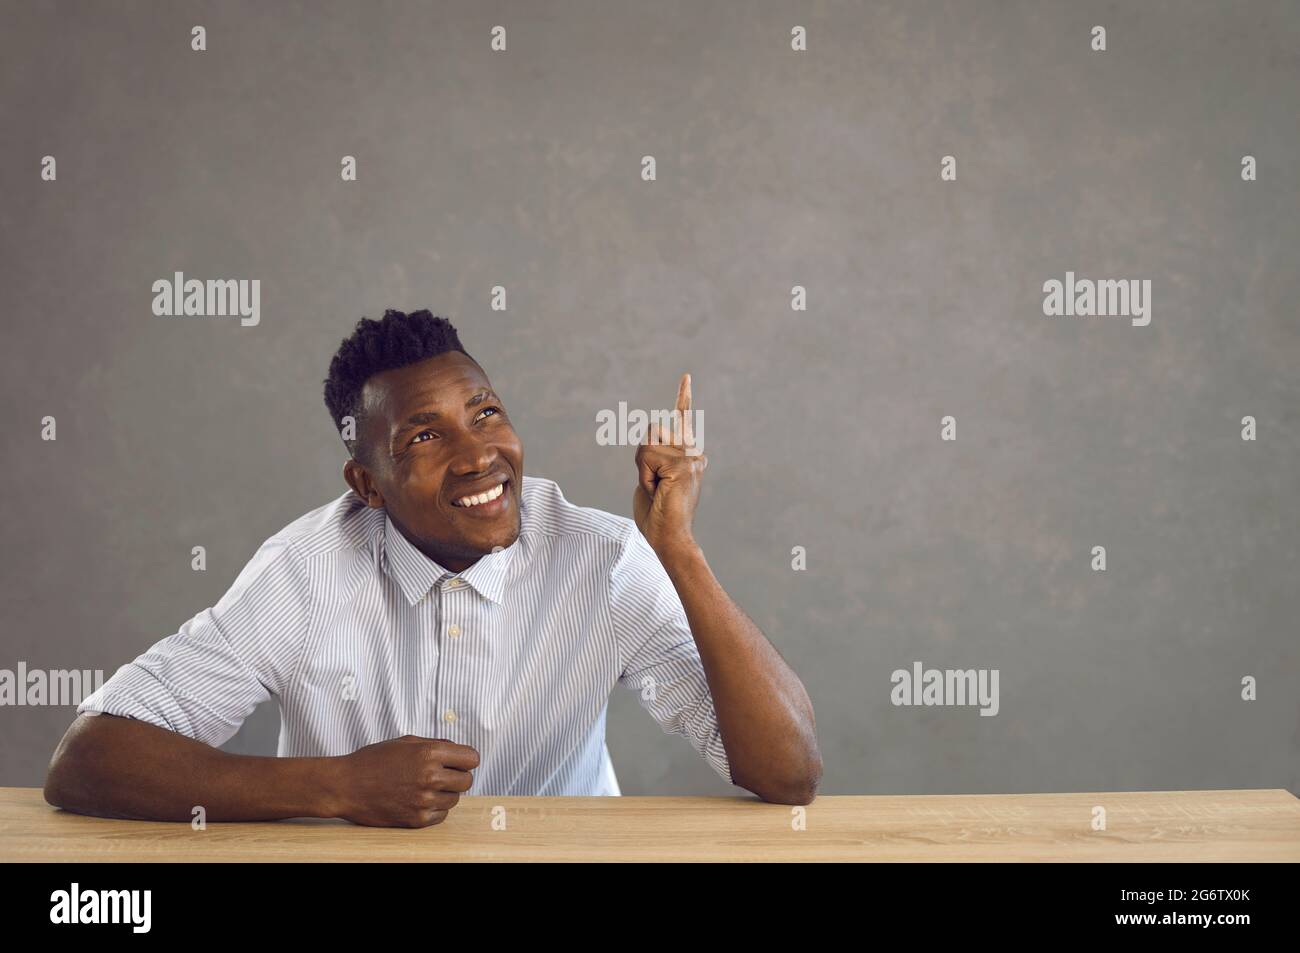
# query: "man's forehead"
[428,384]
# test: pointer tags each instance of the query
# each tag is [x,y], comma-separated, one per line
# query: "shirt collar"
[416,573]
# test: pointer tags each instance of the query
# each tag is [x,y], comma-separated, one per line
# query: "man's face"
[434,433]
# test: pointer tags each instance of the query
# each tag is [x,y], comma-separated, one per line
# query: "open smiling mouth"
[491,502]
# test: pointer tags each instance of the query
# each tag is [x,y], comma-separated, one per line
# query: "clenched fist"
[406,782]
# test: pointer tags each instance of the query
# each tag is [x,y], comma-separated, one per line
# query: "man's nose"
[472,455]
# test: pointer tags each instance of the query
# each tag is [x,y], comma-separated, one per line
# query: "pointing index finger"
[684,409]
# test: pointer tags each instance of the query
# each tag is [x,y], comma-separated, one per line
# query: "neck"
[450,563]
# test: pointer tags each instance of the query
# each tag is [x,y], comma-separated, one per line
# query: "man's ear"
[358,477]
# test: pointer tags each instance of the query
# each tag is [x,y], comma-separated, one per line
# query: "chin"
[504,541]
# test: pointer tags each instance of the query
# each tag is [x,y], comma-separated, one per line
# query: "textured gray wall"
[775,169]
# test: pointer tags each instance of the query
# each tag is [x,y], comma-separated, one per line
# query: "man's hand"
[406,782]
[669,479]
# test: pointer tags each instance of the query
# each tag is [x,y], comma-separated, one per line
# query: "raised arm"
[763,712]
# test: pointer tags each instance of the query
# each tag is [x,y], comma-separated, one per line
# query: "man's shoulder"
[547,513]
[343,524]
[280,569]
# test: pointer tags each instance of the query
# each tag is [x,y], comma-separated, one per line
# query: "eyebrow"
[429,416]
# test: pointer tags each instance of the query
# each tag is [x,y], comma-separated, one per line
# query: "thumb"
[647,476]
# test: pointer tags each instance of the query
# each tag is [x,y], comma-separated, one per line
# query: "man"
[447,625]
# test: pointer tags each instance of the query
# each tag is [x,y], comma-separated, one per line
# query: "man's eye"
[496,410]
[422,433]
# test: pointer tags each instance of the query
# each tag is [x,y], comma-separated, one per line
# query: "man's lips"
[492,499]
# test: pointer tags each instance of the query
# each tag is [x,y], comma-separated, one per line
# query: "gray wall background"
[774,169]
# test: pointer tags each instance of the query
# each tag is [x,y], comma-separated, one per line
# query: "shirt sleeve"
[660,660]
[204,680]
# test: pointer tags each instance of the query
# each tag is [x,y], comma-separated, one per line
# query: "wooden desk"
[1251,825]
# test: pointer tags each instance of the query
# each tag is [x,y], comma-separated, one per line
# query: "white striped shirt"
[363,638]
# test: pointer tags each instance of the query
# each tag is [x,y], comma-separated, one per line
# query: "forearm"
[119,767]
[764,713]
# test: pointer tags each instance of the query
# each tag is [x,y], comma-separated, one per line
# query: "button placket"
[449,714]
[434,696]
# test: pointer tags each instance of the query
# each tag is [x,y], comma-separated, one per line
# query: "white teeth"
[482,498]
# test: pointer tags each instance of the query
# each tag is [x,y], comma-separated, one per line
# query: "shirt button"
[453,631]
[455,583]
[448,715]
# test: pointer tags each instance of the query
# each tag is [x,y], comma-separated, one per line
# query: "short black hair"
[396,340]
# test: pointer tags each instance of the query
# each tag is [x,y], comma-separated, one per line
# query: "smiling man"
[447,625]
